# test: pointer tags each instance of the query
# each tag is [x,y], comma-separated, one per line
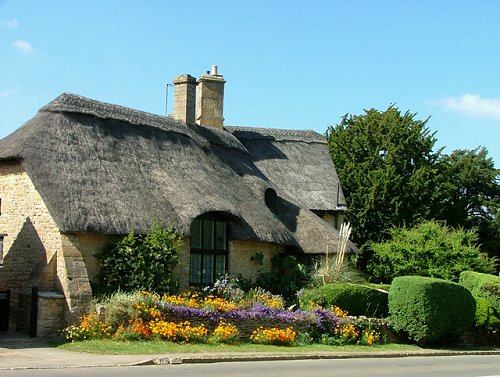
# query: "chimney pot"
[214,70]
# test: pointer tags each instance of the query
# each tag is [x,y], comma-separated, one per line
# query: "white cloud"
[6,93]
[10,23]
[23,46]
[9,92]
[471,104]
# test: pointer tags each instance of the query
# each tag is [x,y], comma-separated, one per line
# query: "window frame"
[207,246]
[2,238]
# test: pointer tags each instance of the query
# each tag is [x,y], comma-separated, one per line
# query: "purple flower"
[320,319]
[326,320]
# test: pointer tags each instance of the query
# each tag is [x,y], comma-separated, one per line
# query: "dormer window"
[209,250]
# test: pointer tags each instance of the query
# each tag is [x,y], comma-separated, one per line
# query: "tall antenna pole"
[166,98]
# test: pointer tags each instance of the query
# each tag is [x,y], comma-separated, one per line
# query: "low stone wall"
[246,326]
[50,314]
[379,325]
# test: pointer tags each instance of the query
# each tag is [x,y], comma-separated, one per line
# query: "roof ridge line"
[75,103]
[279,134]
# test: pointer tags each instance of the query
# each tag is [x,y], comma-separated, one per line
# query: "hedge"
[483,285]
[485,315]
[430,310]
[358,300]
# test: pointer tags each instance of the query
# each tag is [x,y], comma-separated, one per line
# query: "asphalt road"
[453,366]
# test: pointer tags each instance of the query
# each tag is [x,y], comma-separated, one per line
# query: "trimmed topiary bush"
[485,315]
[430,310]
[356,299]
[483,285]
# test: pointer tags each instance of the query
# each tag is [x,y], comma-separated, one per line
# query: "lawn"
[151,347]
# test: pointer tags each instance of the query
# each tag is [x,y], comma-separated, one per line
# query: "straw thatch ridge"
[108,169]
[256,133]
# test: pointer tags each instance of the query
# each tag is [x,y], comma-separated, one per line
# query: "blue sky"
[288,64]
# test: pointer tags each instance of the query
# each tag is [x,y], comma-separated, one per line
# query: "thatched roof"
[108,169]
[298,162]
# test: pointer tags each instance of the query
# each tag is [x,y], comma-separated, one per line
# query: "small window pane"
[208,269]
[220,265]
[208,234]
[196,234]
[220,235]
[195,269]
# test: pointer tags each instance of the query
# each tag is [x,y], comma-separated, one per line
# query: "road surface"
[452,366]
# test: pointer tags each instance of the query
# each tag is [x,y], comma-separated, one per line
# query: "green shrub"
[483,285]
[287,276]
[119,307]
[141,262]
[430,310]
[485,315]
[429,249]
[356,299]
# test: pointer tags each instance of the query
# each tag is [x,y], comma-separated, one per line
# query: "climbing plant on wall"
[141,261]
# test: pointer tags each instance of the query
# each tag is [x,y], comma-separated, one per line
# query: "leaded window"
[208,250]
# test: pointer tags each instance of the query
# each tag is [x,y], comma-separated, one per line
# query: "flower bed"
[191,317]
[247,320]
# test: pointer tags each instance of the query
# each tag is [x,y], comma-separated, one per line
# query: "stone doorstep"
[12,336]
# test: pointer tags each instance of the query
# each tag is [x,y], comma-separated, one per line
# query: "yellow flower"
[225,332]
[339,312]
[273,335]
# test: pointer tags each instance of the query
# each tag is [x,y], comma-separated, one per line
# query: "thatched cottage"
[81,172]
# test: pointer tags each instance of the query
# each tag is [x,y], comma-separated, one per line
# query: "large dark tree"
[472,195]
[387,167]
[393,178]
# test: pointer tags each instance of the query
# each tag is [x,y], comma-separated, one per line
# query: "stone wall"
[73,278]
[32,239]
[242,258]
[90,246]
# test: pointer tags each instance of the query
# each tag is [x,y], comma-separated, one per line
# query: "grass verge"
[153,347]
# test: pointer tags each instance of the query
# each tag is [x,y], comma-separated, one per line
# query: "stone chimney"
[210,98]
[185,98]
